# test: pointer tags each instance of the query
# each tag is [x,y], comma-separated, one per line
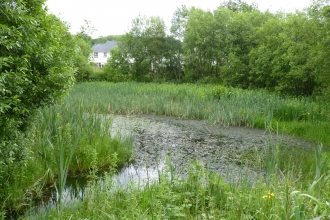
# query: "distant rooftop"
[104,47]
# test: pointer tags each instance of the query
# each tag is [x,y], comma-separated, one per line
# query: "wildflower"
[269,195]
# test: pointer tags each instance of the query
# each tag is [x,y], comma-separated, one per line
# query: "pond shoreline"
[183,141]
[186,140]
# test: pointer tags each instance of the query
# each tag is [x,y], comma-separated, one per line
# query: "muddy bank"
[218,148]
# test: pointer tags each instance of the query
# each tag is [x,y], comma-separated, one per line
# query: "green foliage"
[239,6]
[199,194]
[179,22]
[145,53]
[199,59]
[83,51]
[58,133]
[235,45]
[117,67]
[318,11]
[284,65]
[146,40]
[36,69]
[301,117]
[103,40]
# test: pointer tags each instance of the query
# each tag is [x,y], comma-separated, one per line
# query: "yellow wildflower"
[269,195]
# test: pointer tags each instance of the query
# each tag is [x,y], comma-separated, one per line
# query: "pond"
[219,148]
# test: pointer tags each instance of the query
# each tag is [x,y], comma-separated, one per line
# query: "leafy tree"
[36,69]
[83,51]
[179,22]
[172,61]
[178,28]
[199,45]
[319,12]
[262,56]
[281,60]
[117,68]
[239,6]
[143,47]
[216,45]
[240,40]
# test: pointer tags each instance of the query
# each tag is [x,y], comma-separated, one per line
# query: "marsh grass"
[295,185]
[200,194]
[300,117]
[94,137]
[63,164]
[61,142]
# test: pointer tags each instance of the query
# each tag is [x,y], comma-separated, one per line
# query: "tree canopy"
[236,45]
[36,66]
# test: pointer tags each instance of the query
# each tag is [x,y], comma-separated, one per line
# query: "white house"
[102,53]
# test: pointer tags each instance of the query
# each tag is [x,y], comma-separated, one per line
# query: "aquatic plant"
[202,195]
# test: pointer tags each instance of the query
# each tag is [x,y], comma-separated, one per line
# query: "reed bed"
[204,195]
[301,117]
[66,124]
[295,184]
[64,140]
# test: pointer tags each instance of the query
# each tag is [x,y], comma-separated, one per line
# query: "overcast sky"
[113,17]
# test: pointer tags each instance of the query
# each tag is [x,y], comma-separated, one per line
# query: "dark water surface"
[218,148]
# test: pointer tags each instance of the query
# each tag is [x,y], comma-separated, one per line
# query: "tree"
[117,68]
[172,59]
[83,51]
[178,28]
[36,69]
[281,61]
[319,12]
[239,6]
[199,45]
[240,41]
[216,45]
[179,22]
[143,46]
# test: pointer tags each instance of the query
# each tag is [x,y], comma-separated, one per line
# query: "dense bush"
[36,68]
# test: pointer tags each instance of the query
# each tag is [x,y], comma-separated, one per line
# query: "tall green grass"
[199,194]
[219,105]
[296,184]
[67,122]
[295,181]
[64,139]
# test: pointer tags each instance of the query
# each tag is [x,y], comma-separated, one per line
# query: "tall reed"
[59,143]
[199,194]
[217,104]
[291,190]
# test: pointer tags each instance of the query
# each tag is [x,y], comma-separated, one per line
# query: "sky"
[114,17]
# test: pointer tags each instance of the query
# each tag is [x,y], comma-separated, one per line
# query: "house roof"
[104,47]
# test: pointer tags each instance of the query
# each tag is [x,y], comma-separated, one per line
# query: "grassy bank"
[284,194]
[296,182]
[64,140]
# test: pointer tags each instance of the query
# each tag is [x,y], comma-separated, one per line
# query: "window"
[105,55]
[96,54]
